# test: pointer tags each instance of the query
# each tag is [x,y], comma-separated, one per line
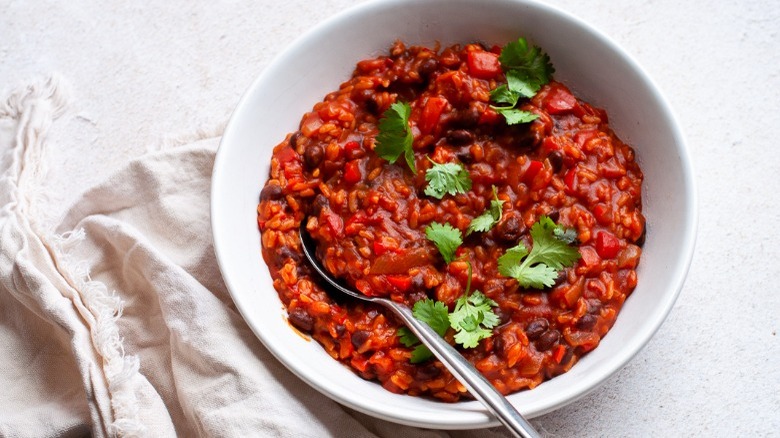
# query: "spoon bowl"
[461,368]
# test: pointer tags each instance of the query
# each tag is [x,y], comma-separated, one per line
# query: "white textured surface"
[145,71]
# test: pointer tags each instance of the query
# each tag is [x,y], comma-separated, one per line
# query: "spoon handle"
[465,372]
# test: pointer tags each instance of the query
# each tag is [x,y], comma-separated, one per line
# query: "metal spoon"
[461,368]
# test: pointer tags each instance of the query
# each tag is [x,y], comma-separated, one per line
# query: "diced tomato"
[352,172]
[570,179]
[489,117]
[286,155]
[364,287]
[400,282]
[559,101]
[483,65]
[584,136]
[589,257]
[352,149]
[334,222]
[310,124]
[531,171]
[550,144]
[432,110]
[379,248]
[607,245]
[359,362]
[558,354]
[601,213]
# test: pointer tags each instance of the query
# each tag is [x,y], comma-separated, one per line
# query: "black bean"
[547,340]
[569,353]
[372,105]
[560,278]
[295,139]
[499,344]
[301,320]
[510,229]
[427,372]
[554,215]
[464,155]
[285,252]
[556,161]
[271,192]
[320,201]
[340,329]
[587,321]
[594,306]
[359,338]
[460,137]
[536,327]
[312,156]
[504,316]
[468,117]
[428,67]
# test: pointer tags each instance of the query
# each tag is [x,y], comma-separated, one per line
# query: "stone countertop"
[143,72]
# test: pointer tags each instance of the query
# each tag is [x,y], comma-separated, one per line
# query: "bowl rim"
[480,418]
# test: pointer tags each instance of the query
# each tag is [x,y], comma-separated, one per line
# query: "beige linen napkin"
[117,322]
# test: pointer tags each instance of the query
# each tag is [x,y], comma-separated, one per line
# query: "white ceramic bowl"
[592,65]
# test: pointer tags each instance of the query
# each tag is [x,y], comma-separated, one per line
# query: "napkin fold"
[116,322]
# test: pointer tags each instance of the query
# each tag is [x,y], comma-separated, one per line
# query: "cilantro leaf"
[486,220]
[528,62]
[568,235]
[514,116]
[447,178]
[395,137]
[539,267]
[433,313]
[502,94]
[473,318]
[472,313]
[527,68]
[446,238]
[407,337]
[520,86]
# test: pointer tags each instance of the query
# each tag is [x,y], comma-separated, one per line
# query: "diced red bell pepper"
[400,282]
[352,149]
[431,112]
[352,172]
[558,354]
[570,179]
[559,101]
[483,65]
[334,222]
[489,117]
[531,171]
[607,245]
[550,144]
[311,123]
[602,214]
[584,136]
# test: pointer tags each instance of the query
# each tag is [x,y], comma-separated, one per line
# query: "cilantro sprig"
[446,179]
[433,313]
[538,268]
[490,217]
[446,238]
[527,68]
[472,319]
[395,137]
